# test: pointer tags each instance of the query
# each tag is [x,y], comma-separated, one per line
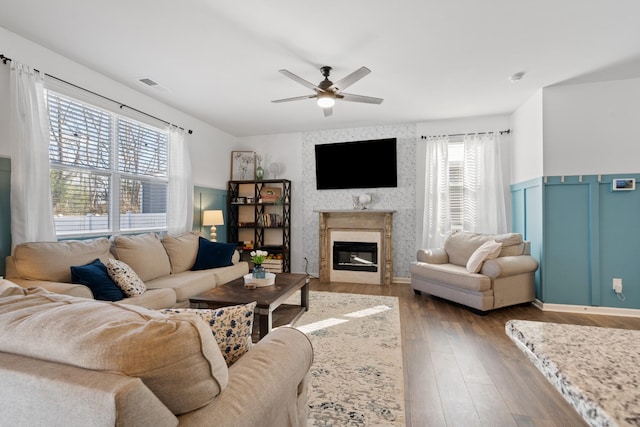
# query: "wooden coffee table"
[268,299]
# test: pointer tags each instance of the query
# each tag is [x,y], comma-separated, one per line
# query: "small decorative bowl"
[268,280]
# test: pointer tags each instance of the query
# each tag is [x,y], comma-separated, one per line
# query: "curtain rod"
[5,59]
[502,132]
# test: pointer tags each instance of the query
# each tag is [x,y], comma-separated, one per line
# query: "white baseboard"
[587,309]
[401,280]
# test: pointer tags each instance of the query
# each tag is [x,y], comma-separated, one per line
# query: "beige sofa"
[507,279]
[69,361]
[163,264]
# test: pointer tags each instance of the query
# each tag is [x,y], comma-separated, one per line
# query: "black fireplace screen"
[356,256]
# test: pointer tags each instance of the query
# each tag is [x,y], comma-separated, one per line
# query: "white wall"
[592,128]
[210,148]
[527,138]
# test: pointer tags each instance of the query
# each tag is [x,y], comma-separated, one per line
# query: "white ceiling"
[430,59]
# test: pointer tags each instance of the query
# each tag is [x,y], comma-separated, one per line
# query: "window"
[456,185]
[108,172]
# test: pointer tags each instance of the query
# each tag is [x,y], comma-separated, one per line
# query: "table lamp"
[212,218]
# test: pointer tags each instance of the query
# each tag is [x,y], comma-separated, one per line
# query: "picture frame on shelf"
[243,165]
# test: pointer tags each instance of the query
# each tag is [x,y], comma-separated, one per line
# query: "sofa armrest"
[56,287]
[38,392]
[433,256]
[509,266]
[267,385]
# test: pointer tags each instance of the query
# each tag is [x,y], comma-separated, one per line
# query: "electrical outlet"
[617,285]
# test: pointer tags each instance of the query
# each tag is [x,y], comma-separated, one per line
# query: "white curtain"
[31,209]
[484,208]
[484,204]
[436,198]
[180,205]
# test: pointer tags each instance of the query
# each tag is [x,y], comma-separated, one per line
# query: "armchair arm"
[267,385]
[509,266]
[433,256]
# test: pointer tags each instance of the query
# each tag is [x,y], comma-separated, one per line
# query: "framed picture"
[243,165]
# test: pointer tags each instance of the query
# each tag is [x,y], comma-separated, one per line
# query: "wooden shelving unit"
[260,212]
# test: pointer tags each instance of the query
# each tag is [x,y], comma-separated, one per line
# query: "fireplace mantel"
[367,220]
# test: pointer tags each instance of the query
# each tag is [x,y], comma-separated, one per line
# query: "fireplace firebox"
[355,256]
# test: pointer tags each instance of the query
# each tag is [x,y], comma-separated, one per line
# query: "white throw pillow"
[488,250]
[125,278]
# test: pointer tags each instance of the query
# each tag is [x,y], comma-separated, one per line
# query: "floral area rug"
[356,376]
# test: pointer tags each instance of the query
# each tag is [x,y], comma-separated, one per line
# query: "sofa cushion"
[182,250]
[213,254]
[460,245]
[185,284]
[231,326]
[488,250]
[125,278]
[95,276]
[176,357]
[451,275]
[52,260]
[153,299]
[144,253]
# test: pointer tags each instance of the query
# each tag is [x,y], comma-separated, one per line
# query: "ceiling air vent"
[148,81]
[152,83]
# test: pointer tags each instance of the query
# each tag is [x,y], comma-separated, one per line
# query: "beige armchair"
[481,271]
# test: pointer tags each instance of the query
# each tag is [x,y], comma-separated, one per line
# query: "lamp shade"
[212,218]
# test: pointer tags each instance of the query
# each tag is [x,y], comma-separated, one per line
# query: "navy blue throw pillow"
[95,276]
[213,254]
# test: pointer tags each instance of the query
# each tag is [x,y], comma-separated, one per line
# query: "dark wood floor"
[461,369]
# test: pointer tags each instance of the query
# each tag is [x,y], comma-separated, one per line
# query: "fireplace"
[363,230]
[355,256]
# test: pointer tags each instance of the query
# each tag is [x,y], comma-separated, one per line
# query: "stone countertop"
[596,369]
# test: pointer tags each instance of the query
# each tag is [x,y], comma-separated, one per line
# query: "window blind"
[108,172]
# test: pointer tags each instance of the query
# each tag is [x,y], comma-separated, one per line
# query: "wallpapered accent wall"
[401,199]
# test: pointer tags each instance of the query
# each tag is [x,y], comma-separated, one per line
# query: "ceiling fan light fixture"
[326,101]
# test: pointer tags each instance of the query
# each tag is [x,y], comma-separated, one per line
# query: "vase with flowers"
[258,257]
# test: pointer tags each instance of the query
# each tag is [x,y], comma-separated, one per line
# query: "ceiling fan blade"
[296,98]
[327,111]
[300,80]
[359,98]
[347,81]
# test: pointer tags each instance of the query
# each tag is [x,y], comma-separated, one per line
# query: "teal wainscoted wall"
[5,211]
[526,203]
[588,235]
[206,199]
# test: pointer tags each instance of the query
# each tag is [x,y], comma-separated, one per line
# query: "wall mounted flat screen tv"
[358,164]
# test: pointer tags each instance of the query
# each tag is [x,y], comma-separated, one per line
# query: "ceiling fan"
[327,92]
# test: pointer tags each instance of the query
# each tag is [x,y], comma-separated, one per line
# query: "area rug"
[596,369]
[357,375]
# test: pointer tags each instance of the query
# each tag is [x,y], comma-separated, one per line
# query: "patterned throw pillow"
[231,326]
[125,278]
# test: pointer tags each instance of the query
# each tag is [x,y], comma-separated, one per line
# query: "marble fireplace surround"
[373,226]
